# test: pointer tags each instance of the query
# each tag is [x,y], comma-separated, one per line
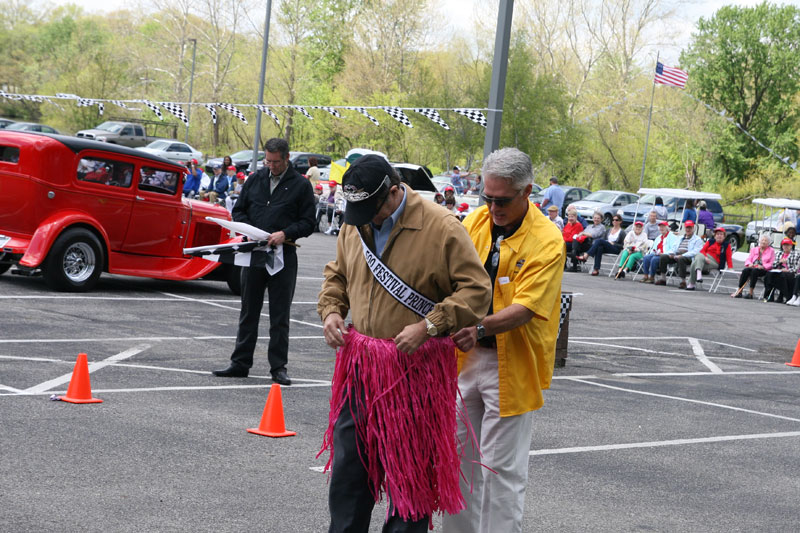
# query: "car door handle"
[140,198]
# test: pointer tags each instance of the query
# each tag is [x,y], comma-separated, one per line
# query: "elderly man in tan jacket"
[408,274]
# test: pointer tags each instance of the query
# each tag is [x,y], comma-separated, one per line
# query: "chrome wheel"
[79,262]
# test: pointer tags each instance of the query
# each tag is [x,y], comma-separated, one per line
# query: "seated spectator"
[705,217]
[438,198]
[610,243]
[217,187]
[317,193]
[450,204]
[583,240]
[780,279]
[632,249]
[476,186]
[757,264]
[552,213]
[332,207]
[665,241]
[461,210]
[235,191]
[715,253]
[449,192]
[688,212]
[651,226]
[687,247]
[795,299]
[571,229]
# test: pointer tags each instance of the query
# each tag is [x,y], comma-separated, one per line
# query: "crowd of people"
[655,247]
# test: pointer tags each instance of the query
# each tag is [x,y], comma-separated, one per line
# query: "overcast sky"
[458,13]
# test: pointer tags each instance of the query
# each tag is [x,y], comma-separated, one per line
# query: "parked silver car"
[607,202]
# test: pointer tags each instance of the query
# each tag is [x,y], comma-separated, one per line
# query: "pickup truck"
[123,133]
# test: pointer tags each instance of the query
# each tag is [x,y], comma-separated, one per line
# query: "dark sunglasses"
[499,202]
[617,220]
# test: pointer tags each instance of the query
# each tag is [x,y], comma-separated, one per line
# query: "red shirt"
[711,249]
[570,230]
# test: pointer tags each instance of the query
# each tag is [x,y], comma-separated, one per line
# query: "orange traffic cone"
[272,423]
[80,389]
[796,356]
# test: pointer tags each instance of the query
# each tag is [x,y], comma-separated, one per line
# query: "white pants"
[497,500]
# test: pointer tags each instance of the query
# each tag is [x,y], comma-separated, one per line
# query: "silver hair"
[572,210]
[510,164]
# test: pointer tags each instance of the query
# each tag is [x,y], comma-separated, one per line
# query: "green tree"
[744,60]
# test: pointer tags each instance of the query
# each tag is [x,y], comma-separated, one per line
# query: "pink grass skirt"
[407,421]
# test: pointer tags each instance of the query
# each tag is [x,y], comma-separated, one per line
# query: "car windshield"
[112,127]
[604,197]
[244,154]
[158,145]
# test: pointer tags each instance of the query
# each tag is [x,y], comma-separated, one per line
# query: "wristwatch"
[481,331]
[431,327]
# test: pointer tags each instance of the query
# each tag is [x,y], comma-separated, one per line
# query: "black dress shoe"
[232,371]
[281,377]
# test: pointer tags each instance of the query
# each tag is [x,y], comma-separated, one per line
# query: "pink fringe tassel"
[407,424]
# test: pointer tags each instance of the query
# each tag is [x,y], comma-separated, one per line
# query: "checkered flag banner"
[332,110]
[213,111]
[232,110]
[364,112]
[474,115]
[67,95]
[32,98]
[566,305]
[302,110]
[397,114]
[433,115]
[85,102]
[101,107]
[176,110]
[119,103]
[153,107]
[265,109]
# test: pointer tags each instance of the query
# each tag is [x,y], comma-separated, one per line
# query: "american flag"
[674,77]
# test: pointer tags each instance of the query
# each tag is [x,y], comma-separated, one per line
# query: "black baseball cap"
[362,186]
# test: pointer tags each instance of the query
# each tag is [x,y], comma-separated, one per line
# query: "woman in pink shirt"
[758,263]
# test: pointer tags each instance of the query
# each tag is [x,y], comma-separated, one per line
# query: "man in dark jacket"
[276,199]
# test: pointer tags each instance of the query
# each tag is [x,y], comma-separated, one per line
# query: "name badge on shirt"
[503,280]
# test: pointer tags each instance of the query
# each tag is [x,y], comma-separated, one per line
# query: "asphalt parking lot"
[675,412]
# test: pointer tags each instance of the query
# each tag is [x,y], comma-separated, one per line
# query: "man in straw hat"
[408,274]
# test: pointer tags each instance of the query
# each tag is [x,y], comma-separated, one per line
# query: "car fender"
[49,230]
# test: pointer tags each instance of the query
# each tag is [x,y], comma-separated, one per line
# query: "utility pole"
[191,86]
[499,69]
[254,162]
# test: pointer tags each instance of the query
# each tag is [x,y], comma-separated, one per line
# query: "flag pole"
[649,119]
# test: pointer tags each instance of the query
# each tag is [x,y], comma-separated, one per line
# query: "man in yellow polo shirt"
[507,360]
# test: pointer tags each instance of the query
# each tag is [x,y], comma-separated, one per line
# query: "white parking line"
[701,356]
[621,347]
[10,389]
[689,400]
[656,444]
[126,299]
[184,388]
[148,339]
[209,302]
[47,385]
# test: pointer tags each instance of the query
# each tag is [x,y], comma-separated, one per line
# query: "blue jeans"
[600,247]
[650,265]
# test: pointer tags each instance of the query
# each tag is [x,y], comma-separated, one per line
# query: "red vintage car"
[73,208]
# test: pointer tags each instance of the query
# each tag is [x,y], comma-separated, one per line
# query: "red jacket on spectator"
[570,230]
[712,249]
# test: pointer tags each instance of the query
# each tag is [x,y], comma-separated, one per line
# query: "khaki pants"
[701,262]
[497,500]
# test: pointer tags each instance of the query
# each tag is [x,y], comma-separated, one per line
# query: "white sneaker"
[791,300]
[699,275]
[797,302]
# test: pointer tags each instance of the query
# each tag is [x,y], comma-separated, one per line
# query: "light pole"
[191,86]
[254,162]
